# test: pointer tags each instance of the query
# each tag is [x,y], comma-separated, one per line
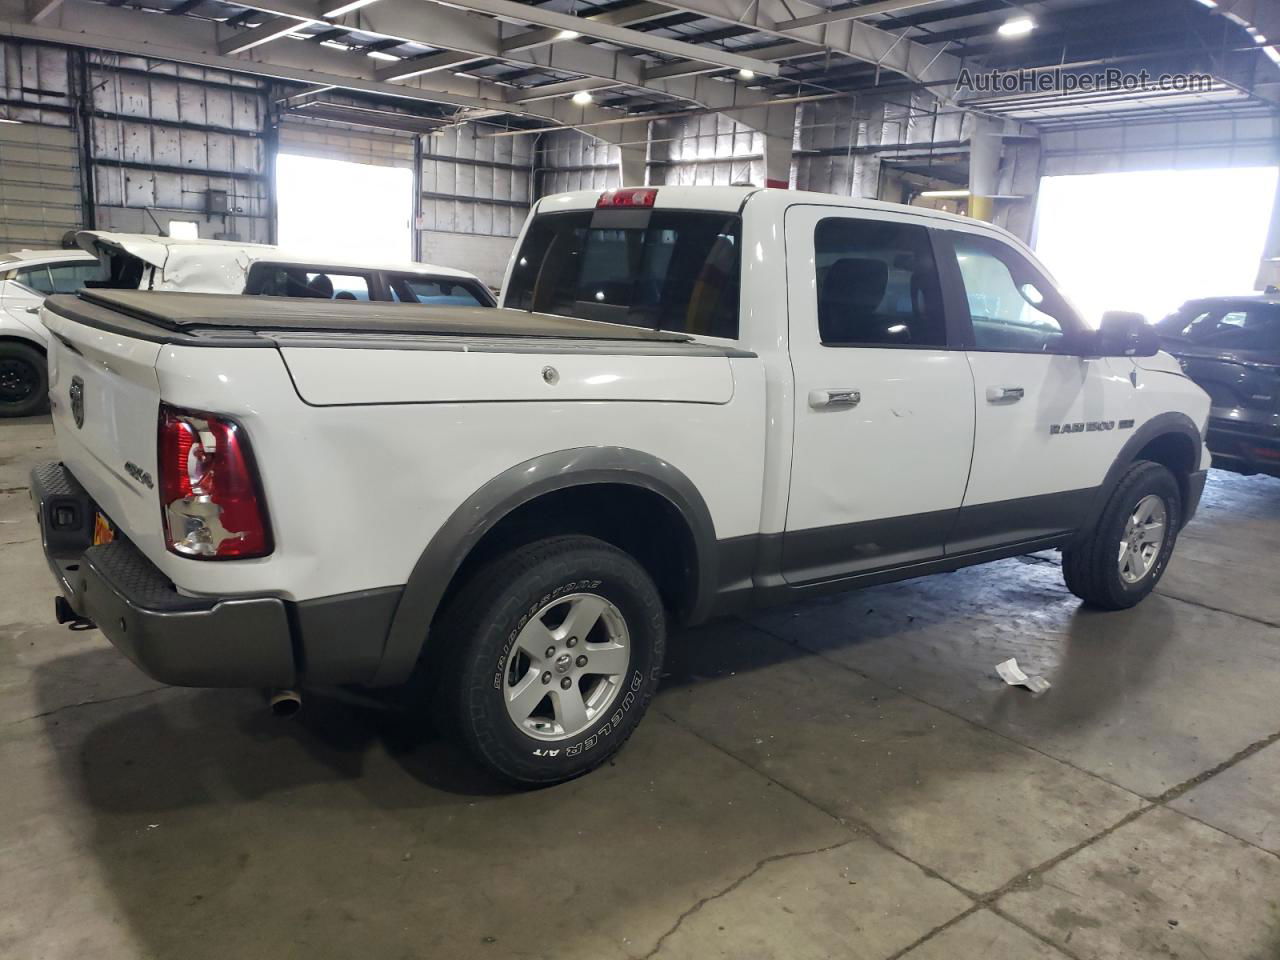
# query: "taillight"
[629,197]
[209,495]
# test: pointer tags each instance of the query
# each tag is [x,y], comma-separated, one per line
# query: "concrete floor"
[845,778]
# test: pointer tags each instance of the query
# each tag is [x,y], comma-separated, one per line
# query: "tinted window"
[438,291]
[36,278]
[1013,307]
[1254,326]
[271,280]
[668,270]
[877,284]
[70,277]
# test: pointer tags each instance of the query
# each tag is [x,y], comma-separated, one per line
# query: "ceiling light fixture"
[381,55]
[568,35]
[1017,27]
[582,98]
[945,194]
[745,74]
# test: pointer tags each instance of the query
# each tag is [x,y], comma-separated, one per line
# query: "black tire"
[1091,567]
[476,635]
[24,380]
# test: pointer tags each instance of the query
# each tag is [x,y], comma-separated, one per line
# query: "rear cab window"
[291,280]
[675,270]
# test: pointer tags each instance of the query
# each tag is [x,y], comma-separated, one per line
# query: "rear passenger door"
[1050,418]
[883,403]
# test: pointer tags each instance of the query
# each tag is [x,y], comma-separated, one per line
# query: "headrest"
[855,284]
[321,286]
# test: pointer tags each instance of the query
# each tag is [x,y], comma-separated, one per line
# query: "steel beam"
[851,38]
[265,32]
[601,30]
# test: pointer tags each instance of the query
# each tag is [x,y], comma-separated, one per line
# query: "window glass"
[1013,308]
[271,280]
[36,278]
[877,283]
[437,291]
[663,269]
[1254,326]
[70,277]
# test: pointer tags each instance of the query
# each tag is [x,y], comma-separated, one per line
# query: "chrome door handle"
[834,397]
[1005,394]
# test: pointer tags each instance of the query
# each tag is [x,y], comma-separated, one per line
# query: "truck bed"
[204,318]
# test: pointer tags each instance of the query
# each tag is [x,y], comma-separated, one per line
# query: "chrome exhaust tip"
[284,703]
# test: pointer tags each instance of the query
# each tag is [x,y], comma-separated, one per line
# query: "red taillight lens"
[209,496]
[630,197]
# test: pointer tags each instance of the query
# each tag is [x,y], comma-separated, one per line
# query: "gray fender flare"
[513,488]
[1157,426]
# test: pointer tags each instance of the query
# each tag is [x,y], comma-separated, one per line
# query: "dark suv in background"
[1230,346]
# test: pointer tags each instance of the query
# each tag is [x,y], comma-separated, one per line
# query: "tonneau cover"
[204,314]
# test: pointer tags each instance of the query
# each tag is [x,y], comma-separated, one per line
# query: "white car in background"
[128,261]
[26,278]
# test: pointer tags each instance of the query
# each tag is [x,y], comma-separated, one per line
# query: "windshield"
[661,269]
[1231,326]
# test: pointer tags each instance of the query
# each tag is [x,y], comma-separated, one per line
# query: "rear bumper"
[1244,447]
[252,641]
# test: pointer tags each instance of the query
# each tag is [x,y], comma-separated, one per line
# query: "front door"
[1050,420]
[884,412]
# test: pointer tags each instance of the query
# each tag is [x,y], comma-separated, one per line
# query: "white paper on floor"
[1012,674]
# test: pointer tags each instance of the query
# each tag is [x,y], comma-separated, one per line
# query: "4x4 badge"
[77,401]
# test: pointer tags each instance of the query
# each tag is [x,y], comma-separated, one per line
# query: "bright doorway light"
[347,211]
[1151,241]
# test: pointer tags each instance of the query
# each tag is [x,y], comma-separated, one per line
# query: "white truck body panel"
[326,377]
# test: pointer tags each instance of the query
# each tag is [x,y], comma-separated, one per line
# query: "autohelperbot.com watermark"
[1058,80]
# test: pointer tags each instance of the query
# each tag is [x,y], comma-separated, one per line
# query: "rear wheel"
[1125,556]
[24,380]
[549,658]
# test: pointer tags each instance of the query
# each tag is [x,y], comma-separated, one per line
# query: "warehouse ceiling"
[583,62]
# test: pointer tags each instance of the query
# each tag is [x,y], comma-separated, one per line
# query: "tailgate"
[105,400]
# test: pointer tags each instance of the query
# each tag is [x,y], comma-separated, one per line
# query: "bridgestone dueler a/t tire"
[1091,567]
[478,629]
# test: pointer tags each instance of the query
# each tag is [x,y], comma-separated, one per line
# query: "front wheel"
[24,380]
[549,657]
[1123,559]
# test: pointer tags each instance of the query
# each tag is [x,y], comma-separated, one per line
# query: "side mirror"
[1124,334]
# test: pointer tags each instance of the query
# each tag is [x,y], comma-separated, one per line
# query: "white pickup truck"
[691,401]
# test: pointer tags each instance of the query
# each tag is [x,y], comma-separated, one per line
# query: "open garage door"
[1150,241]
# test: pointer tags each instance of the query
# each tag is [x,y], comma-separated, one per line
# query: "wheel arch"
[1170,439]
[525,500]
[34,342]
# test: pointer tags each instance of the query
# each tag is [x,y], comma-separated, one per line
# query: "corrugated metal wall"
[569,160]
[475,197]
[706,150]
[164,135]
[40,196]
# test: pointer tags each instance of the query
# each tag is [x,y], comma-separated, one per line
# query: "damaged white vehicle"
[130,261]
